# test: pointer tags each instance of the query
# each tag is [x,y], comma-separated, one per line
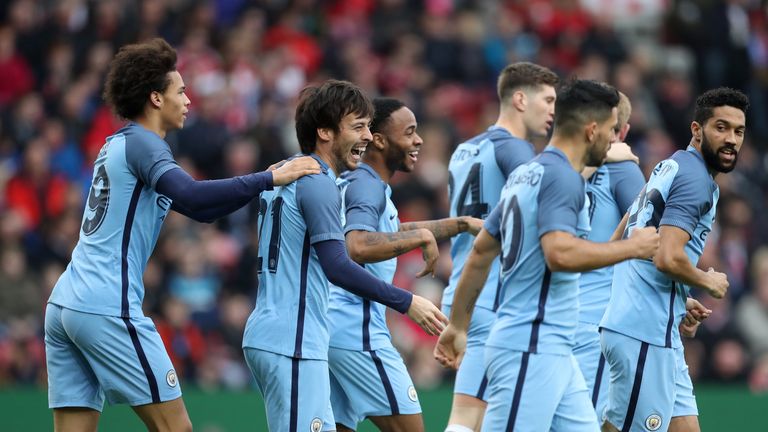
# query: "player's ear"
[379,141]
[696,131]
[519,100]
[156,99]
[325,134]
[590,131]
[624,132]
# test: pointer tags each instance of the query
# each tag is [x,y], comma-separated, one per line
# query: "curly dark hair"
[324,106]
[583,101]
[722,96]
[136,71]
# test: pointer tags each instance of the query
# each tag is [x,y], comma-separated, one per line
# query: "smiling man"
[650,386]
[301,250]
[368,376]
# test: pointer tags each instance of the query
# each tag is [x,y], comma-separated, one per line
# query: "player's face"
[722,137]
[175,103]
[351,141]
[604,136]
[403,142]
[540,114]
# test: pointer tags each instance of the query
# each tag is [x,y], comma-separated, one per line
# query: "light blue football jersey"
[610,190]
[357,323]
[290,317]
[538,309]
[121,223]
[645,303]
[478,169]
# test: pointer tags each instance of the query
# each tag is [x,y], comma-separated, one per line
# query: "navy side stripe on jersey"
[540,314]
[671,320]
[385,382]
[302,297]
[125,310]
[366,325]
[483,385]
[635,387]
[518,392]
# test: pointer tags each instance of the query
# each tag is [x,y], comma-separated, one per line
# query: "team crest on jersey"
[653,422]
[316,425]
[412,394]
[171,379]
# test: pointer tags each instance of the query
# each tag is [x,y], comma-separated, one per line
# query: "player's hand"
[718,283]
[471,224]
[287,172]
[694,315]
[451,346]
[620,152]
[424,313]
[646,242]
[430,253]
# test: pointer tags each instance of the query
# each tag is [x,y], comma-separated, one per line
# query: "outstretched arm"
[343,272]
[369,247]
[446,228]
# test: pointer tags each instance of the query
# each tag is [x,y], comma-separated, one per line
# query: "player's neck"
[376,161]
[574,151]
[325,152]
[513,124]
[152,123]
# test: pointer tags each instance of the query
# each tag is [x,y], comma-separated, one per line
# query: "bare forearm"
[577,255]
[369,247]
[468,290]
[680,269]
[441,228]
[484,250]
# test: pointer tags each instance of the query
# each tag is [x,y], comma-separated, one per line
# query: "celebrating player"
[301,249]
[98,342]
[534,382]
[650,386]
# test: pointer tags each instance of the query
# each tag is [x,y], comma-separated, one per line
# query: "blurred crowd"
[245,61]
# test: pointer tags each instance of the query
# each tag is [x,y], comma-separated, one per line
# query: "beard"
[595,157]
[712,159]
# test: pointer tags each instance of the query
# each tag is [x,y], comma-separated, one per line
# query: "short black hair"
[383,108]
[135,72]
[324,106]
[722,96]
[583,101]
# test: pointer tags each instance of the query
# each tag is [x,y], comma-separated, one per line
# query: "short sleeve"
[560,199]
[626,182]
[492,223]
[688,199]
[319,201]
[148,157]
[511,153]
[365,201]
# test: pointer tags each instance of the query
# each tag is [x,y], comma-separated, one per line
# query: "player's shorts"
[296,391]
[593,366]
[649,384]
[471,378]
[368,384]
[536,392]
[92,357]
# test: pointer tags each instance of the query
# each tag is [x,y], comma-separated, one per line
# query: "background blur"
[245,61]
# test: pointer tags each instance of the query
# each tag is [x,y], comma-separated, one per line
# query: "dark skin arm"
[446,228]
